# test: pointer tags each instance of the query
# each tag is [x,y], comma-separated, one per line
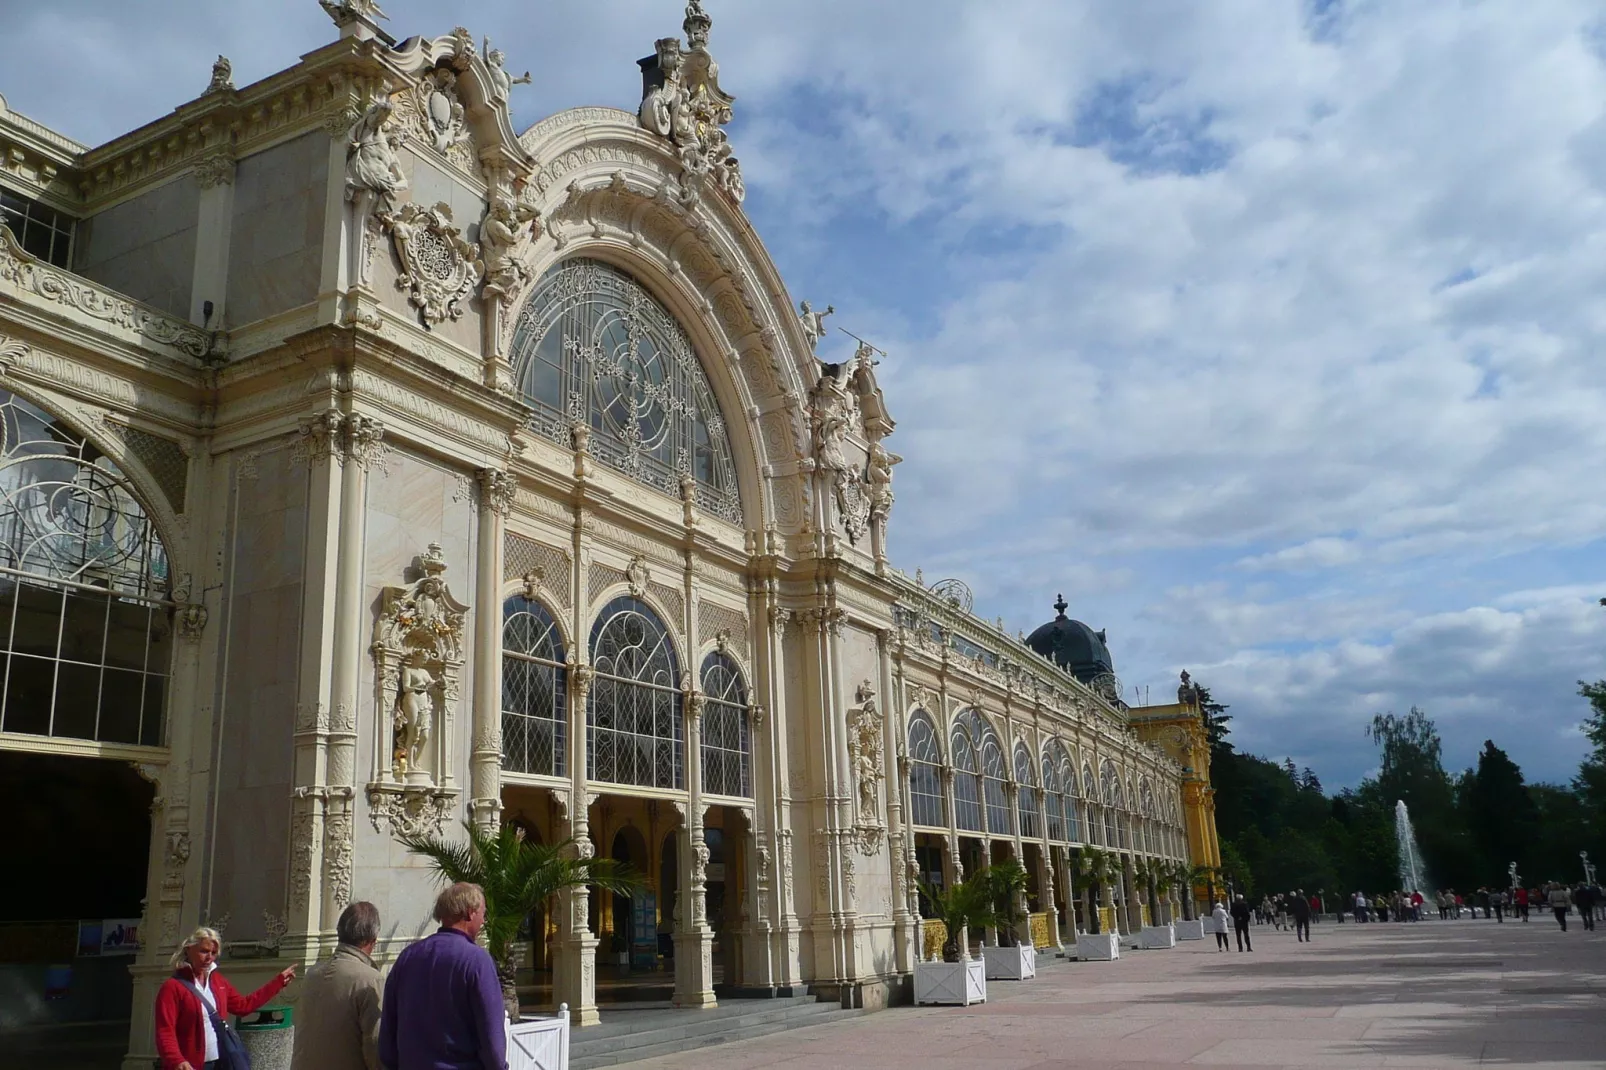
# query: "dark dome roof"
[1072,645]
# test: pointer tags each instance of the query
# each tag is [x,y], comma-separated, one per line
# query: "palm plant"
[1008,882]
[1094,868]
[960,906]
[517,877]
[1206,875]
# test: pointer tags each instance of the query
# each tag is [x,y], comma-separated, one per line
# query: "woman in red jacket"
[184,1036]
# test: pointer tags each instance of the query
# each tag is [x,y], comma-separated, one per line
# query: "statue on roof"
[344,11]
[222,76]
[814,323]
[682,100]
[502,82]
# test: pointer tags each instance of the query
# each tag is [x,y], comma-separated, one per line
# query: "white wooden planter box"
[1010,963]
[1190,930]
[961,983]
[539,1043]
[1104,947]
[1158,937]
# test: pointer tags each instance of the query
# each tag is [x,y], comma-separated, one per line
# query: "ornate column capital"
[497,490]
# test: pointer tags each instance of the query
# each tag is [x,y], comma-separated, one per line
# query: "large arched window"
[634,731]
[1052,807]
[999,820]
[1110,786]
[1090,796]
[593,348]
[967,776]
[84,607]
[727,736]
[1067,779]
[1026,792]
[534,690]
[925,780]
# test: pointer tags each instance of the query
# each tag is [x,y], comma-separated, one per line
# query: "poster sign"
[108,936]
[644,931]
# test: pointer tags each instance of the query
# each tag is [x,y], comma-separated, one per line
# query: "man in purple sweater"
[443,1005]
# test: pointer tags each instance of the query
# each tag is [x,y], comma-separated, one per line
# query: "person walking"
[1559,902]
[1218,921]
[338,1024]
[1282,913]
[191,1004]
[1520,897]
[1497,899]
[1300,907]
[1240,923]
[1584,900]
[443,1006]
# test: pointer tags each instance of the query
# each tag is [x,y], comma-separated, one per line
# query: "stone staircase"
[630,1033]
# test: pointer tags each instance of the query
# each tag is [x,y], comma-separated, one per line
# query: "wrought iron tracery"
[1052,803]
[593,348]
[1026,791]
[534,690]
[925,782]
[635,734]
[727,740]
[1067,779]
[967,778]
[83,589]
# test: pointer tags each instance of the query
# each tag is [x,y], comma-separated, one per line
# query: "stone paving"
[1427,995]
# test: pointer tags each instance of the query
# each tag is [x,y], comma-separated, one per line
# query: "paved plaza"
[1434,994]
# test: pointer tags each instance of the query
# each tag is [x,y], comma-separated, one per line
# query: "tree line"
[1280,830]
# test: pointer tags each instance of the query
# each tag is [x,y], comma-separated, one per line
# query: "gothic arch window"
[925,780]
[534,690]
[593,348]
[1053,807]
[727,734]
[84,605]
[634,734]
[967,776]
[1026,793]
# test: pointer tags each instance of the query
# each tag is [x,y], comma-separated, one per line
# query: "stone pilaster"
[574,976]
[694,940]
[496,490]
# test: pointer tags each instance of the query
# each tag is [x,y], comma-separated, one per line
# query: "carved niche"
[440,268]
[868,755]
[418,664]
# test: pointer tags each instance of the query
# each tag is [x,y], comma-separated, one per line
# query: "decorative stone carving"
[498,490]
[214,170]
[436,114]
[371,161]
[506,222]
[866,750]
[682,100]
[345,12]
[502,82]
[814,323]
[337,856]
[342,437]
[418,660]
[638,575]
[191,621]
[222,76]
[439,267]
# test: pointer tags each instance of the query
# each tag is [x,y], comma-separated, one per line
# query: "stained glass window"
[727,741]
[83,589]
[593,347]
[534,690]
[633,713]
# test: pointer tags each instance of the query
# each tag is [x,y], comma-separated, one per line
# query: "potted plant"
[958,978]
[1013,959]
[1154,880]
[517,877]
[1095,869]
[1190,927]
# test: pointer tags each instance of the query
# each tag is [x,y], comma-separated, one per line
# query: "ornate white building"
[371,467]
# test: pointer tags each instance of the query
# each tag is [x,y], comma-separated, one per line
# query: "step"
[683,1030]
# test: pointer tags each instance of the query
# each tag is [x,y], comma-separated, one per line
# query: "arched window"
[1090,796]
[535,718]
[999,820]
[1026,792]
[1111,788]
[925,782]
[84,603]
[727,738]
[1066,774]
[967,778]
[635,734]
[593,347]
[1146,804]
[1052,803]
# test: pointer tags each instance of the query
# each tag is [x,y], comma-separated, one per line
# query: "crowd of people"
[1295,910]
[442,1004]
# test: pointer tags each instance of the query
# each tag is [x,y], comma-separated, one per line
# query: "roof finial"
[1060,606]
[697,25]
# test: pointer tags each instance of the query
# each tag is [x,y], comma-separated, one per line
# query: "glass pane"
[151,726]
[77,695]
[128,635]
[38,620]
[83,629]
[121,695]
[30,683]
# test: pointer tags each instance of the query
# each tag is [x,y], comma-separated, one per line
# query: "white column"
[574,973]
[694,941]
[496,489]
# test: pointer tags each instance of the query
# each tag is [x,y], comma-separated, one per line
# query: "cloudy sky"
[1265,330]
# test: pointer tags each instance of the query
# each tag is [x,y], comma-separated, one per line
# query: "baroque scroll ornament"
[440,268]
[682,101]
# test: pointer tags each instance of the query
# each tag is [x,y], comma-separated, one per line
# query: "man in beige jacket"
[337,1021]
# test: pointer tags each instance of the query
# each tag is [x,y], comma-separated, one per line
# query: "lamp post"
[1589,868]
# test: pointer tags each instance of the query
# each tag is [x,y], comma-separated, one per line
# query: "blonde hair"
[203,935]
[458,902]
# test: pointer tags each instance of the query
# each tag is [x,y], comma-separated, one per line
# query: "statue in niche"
[415,710]
[371,160]
[814,323]
[833,410]
[502,82]
[878,479]
[864,745]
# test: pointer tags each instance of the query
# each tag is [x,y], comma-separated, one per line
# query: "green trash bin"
[269,1036]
